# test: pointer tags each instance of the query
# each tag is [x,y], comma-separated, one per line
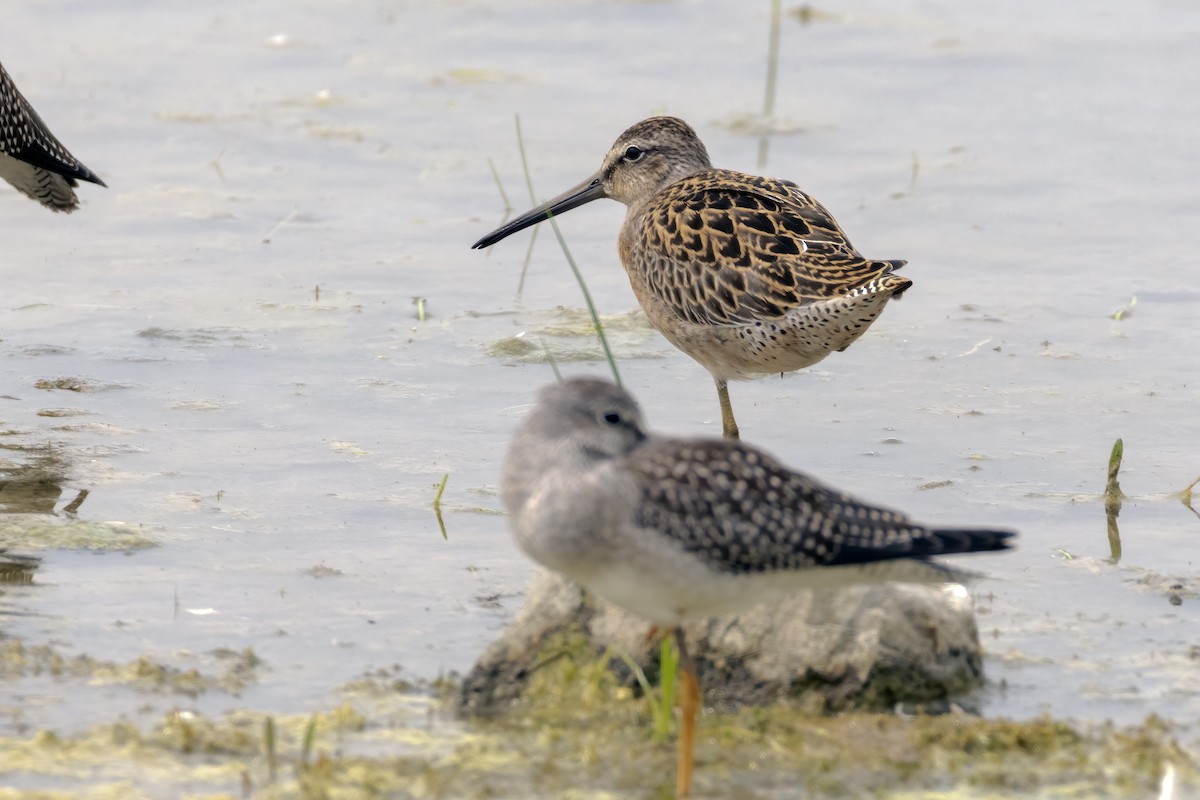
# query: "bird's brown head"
[647,157]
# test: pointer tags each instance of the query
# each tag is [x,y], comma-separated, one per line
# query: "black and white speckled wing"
[741,511]
[31,158]
[728,247]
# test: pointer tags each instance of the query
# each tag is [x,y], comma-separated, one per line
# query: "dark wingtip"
[903,287]
[85,174]
[1004,540]
[977,541]
[37,156]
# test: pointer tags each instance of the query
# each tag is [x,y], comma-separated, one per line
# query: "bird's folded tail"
[889,280]
[37,155]
[943,541]
[922,544]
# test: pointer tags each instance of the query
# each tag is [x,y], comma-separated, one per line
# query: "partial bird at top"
[32,158]
[749,276]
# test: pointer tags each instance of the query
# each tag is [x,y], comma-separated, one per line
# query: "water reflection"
[17,569]
[1112,511]
[34,484]
[31,485]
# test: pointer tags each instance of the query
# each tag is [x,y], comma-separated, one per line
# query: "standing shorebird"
[747,275]
[681,529]
[32,158]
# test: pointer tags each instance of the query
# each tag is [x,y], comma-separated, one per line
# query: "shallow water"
[263,402]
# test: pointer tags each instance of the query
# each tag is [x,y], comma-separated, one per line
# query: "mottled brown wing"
[725,247]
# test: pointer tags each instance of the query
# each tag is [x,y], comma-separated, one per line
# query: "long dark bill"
[574,197]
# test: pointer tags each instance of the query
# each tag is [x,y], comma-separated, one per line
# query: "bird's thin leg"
[729,428]
[689,706]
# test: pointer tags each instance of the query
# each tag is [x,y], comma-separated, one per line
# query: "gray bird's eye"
[634,153]
[612,418]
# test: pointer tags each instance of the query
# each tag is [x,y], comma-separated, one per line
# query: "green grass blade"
[269,746]
[551,360]
[1113,496]
[587,298]
[772,75]
[437,504]
[660,703]
[503,194]
[587,295]
[310,736]
[1112,489]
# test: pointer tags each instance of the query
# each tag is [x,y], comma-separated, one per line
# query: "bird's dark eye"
[634,153]
[612,418]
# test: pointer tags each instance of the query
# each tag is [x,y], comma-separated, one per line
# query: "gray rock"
[864,646]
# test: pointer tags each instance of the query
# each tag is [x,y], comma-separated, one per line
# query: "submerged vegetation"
[580,732]
[583,735]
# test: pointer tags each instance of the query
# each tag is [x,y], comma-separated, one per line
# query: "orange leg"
[689,706]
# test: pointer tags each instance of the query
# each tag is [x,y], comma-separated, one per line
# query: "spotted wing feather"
[733,248]
[40,165]
[741,511]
